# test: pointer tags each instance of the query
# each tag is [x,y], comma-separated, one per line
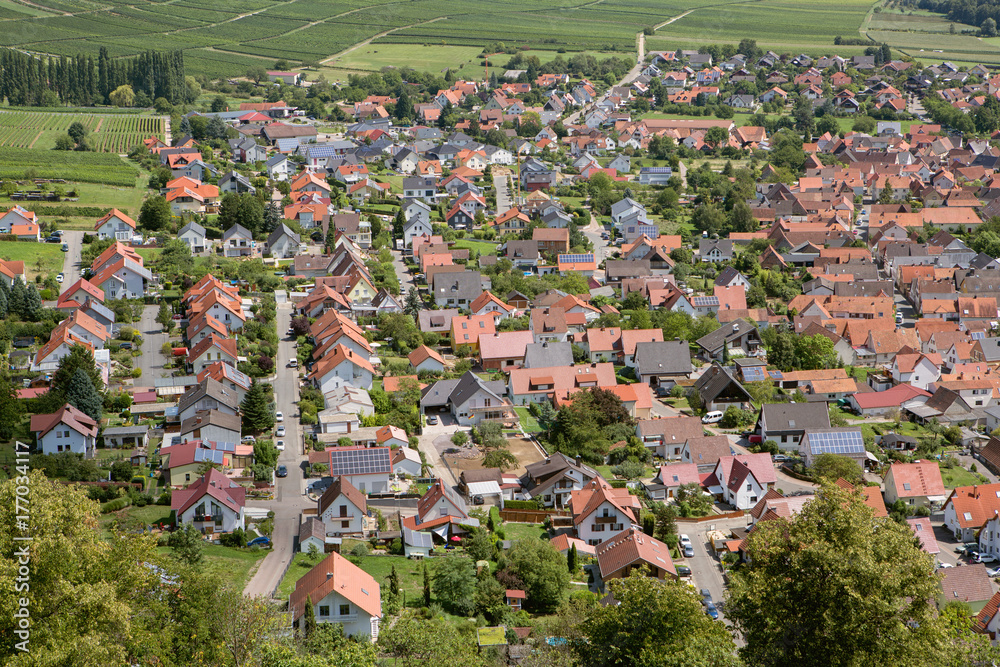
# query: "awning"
[441,531]
[871,457]
[936,499]
[716,490]
[489,488]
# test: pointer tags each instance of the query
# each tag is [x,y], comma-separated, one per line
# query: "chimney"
[579,459]
[329,576]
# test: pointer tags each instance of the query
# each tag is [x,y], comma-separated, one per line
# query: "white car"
[280,433]
[60,278]
[942,566]
[280,445]
[249,438]
[685,540]
[278,417]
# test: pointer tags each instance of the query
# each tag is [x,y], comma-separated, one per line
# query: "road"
[289,499]
[705,568]
[501,183]
[71,261]
[153,338]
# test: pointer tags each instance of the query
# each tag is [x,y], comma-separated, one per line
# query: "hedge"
[521,505]
[115,505]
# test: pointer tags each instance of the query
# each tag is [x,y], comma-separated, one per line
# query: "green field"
[411,577]
[109,134]
[38,258]
[231,566]
[106,168]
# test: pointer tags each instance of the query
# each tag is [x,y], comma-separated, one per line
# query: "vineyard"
[106,134]
[104,168]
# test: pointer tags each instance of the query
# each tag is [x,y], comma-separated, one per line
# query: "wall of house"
[64,439]
[230,520]
[746,496]
[376,483]
[592,532]
[356,622]
[354,517]
[964,534]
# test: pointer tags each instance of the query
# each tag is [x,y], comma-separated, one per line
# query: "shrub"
[522,504]
[115,505]
[360,549]
[237,538]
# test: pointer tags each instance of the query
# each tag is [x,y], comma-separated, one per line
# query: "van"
[712,417]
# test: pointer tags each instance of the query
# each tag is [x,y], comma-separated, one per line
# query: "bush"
[522,505]
[164,498]
[115,505]
[360,549]
[237,539]
[396,547]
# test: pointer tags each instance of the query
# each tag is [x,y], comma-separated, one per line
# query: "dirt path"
[37,137]
[368,41]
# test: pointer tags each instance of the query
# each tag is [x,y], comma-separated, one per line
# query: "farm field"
[106,168]
[117,133]
[38,258]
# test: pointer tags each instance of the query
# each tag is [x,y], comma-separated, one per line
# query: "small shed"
[417,544]
[120,437]
[485,492]
[312,531]
[515,599]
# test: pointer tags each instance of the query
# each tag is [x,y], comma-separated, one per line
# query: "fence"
[530,516]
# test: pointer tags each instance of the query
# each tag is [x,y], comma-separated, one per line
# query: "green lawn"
[410,572]
[958,476]
[524,531]
[149,254]
[231,566]
[483,247]
[528,422]
[38,258]
[606,473]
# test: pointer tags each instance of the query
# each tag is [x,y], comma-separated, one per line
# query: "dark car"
[683,571]
[711,610]
[65,247]
[706,595]
[282,471]
[53,239]
[262,541]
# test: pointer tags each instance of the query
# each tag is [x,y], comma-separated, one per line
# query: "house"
[467,329]
[208,394]
[340,592]
[339,366]
[279,167]
[552,480]
[312,533]
[458,288]
[366,468]
[916,484]
[745,478]
[236,183]
[715,250]
[442,512]
[719,389]
[666,437]
[786,423]
[417,544]
[538,385]
[115,225]
[470,399]
[213,504]
[126,437]
[342,508]
[504,350]
[551,241]
[426,359]
[210,349]
[968,508]
[969,584]
[738,338]
[600,511]
[283,242]
[212,426]
[632,549]
[65,430]
[406,461]
[670,478]
[237,241]
[662,363]
[841,441]
[194,236]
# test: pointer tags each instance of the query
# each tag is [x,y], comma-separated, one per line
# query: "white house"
[213,504]
[917,370]
[367,469]
[115,225]
[66,430]
[989,537]
[279,168]
[391,436]
[194,235]
[415,227]
[425,358]
[312,532]
[283,242]
[601,512]
[745,478]
[406,461]
[237,241]
[340,366]
[340,592]
[342,508]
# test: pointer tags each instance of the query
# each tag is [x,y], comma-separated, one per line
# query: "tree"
[716,136]
[413,304]
[989,27]
[455,584]
[862,592]
[121,471]
[390,598]
[500,458]
[81,394]
[666,522]
[886,195]
[257,414]
[831,467]
[32,304]
[65,143]
[404,108]
[242,209]
[572,559]
[122,96]
[11,409]
[77,131]
[244,624]
[542,569]
[653,623]
[427,587]
[164,317]
[257,73]
[186,543]
[309,616]
[741,218]
[863,124]
[479,545]
[154,213]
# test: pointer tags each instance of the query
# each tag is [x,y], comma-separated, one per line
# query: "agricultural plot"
[106,168]
[108,134]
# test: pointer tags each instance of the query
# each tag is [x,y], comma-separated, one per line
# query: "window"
[345,610]
[345,524]
[753,499]
[749,487]
[324,610]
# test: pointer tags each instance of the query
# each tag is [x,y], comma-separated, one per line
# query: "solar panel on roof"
[706,301]
[359,461]
[839,442]
[978,335]
[210,455]
[657,170]
[776,375]
[225,446]
[754,373]
[576,258]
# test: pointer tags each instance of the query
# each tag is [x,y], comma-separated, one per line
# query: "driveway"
[501,183]
[435,440]
[289,500]
[153,338]
[71,260]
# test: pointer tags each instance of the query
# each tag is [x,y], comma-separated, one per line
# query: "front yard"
[410,572]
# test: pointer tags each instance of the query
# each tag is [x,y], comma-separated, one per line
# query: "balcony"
[207,518]
[606,519]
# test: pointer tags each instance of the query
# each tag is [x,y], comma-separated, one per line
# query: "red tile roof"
[922,478]
[336,574]
[630,547]
[68,415]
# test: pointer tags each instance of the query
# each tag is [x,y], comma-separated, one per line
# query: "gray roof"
[715,381]
[192,227]
[557,462]
[725,246]
[417,539]
[212,418]
[991,349]
[626,268]
[236,229]
[275,160]
[795,416]
[437,394]
[544,355]
[458,285]
[211,388]
[126,431]
[470,384]
[436,320]
[727,332]
[279,231]
[663,357]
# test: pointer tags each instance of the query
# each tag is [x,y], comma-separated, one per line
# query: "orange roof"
[922,478]
[336,574]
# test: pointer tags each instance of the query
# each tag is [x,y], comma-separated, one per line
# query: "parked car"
[432,419]
[280,445]
[942,566]
[713,417]
[60,278]
[689,551]
[294,363]
[65,247]
[683,571]
[984,558]
[969,548]
[712,612]
[280,433]
[278,417]
[706,596]
[262,541]
[249,438]
[993,572]
[53,239]
[684,540]
[780,458]
[282,471]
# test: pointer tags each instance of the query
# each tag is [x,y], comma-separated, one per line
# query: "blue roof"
[836,442]
[656,170]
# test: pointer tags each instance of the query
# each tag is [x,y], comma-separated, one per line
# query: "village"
[544,314]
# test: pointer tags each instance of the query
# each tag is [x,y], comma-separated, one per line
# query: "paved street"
[289,499]
[501,183]
[71,261]
[153,338]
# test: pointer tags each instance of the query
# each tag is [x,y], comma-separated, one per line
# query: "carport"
[487,490]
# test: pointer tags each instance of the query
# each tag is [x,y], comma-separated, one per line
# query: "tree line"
[28,80]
